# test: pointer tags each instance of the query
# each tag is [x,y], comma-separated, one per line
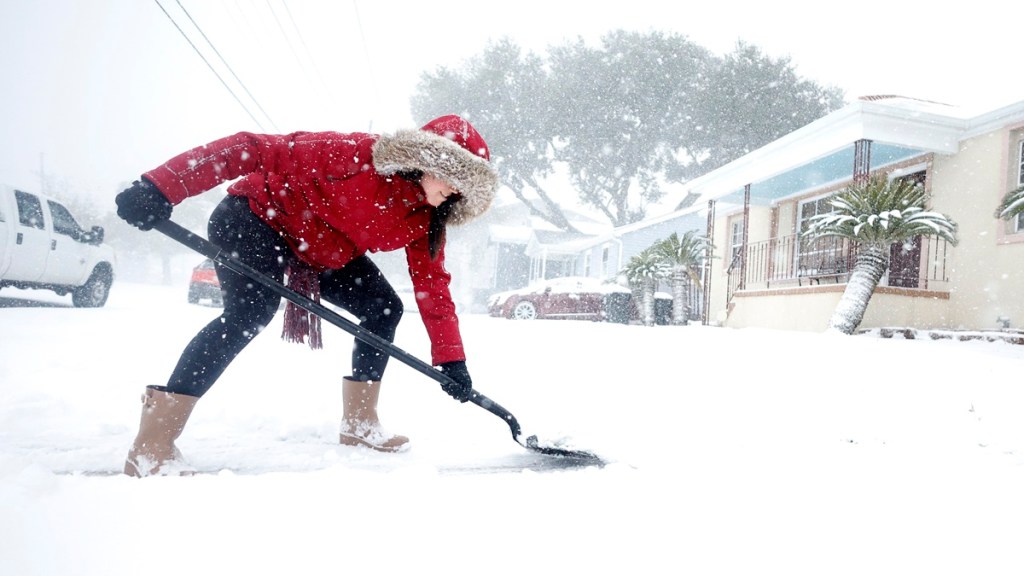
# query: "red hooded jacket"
[334,197]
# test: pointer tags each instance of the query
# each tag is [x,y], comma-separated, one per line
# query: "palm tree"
[684,256]
[875,213]
[643,272]
[1012,204]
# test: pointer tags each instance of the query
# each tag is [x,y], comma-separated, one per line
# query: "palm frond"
[645,265]
[1012,204]
[882,212]
[687,250]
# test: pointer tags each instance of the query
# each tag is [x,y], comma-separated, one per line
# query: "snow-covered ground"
[732,452]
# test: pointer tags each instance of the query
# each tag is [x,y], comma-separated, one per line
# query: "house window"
[586,264]
[605,257]
[1019,223]
[735,239]
[814,208]
[817,256]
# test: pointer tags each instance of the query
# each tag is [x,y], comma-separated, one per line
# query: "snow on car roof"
[573,284]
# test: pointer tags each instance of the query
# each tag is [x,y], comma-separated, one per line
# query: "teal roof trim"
[835,167]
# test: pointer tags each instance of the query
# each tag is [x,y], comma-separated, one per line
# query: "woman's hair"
[436,232]
[438,224]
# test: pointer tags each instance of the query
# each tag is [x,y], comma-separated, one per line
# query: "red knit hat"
[460,131]
[450,149]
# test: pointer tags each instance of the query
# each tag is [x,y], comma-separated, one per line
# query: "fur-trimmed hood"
[450,149]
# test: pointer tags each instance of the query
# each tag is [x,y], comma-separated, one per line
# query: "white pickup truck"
[43,246]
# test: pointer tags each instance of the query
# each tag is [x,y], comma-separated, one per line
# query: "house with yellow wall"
[766,274]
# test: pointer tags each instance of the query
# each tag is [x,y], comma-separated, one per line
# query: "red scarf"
[299,322]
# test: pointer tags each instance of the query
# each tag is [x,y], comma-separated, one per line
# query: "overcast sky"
[98,92]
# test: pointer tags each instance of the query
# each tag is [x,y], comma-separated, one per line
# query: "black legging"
[359,288]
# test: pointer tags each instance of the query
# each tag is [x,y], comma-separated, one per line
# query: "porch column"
[706,296]
[746,237]
[861,160]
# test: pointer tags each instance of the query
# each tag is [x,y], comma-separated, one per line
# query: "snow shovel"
[211,251]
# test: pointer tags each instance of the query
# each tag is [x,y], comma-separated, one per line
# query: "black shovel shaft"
[213,252]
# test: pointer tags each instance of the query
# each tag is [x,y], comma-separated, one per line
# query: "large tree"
[875,213]
[629,116]
[622,119]
[502,92]
[753,99]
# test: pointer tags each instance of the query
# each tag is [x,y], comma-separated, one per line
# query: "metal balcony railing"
[794,261]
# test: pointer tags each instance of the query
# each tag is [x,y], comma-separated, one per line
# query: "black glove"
[143,205]
[461,385]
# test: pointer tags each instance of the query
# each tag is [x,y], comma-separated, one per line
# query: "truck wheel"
[94,292]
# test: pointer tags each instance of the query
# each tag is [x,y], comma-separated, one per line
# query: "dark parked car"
[574,297]
[204,284]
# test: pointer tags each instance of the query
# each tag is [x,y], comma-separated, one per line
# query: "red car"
[576,297]
[204,284]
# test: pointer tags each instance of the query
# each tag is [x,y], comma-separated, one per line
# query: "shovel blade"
[578,457]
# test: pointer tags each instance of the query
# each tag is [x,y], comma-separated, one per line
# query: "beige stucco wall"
[786,216]
[986,269]
[802,310]
[717,281]
[918,311]
[760,229]
[809,309]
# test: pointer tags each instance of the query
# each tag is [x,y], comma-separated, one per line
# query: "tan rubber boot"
[163,418]
[361,426]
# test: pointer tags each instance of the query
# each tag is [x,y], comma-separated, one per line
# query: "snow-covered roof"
[502,234]
[899,122]
[699,208]
[553,242]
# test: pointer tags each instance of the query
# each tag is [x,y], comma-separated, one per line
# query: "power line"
[288,41]
[226,65]
[366,54]
[330,96]
[262,35]
[212,69]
